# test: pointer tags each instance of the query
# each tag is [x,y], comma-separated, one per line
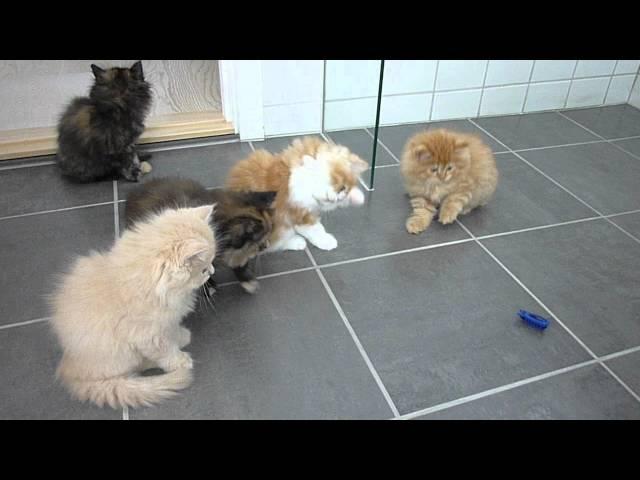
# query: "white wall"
[426,90]
[634,98]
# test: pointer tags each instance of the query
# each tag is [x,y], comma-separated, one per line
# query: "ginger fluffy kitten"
[118,313]
[310,177]
[450,170]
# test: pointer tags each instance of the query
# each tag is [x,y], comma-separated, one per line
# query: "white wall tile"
[248,78]
[339,115]
[503,100]
[292,119]
[634,99]
[546,96]
[502,72]
[405,108]
[291,81]
[627,66]
[619,89]
[352,78]
[458,74]
[593,68]
[545,70]
[586,92]
[408,76]
[456,104]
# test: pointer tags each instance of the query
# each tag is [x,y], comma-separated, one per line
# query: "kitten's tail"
[133,391]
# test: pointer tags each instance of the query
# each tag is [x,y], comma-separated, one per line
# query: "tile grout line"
[484,83]
[517,384]
[573,74]
[381,143]
[526,93]
[494,391]
[408,250]
[253,149]
[618,379]
[606,94]
[27,322]
[55,210]
[433,96]
[43,163]
[615,146]
[116,212]
[555,317]
[538,170]
[352,332]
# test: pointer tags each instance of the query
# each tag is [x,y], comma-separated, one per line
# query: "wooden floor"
[32,142]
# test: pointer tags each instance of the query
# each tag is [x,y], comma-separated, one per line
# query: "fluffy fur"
[118,313]
[243,221]
[453,171]
[310,177]
[97,134]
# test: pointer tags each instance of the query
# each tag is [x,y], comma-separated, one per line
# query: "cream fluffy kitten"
[452,171]
[119,312]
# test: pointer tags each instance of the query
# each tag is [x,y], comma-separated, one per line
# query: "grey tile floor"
[388,325]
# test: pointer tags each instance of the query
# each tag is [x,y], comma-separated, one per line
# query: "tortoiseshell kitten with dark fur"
[242,222]
[97,134]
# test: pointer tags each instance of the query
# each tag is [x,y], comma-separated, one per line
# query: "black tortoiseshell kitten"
[97,134]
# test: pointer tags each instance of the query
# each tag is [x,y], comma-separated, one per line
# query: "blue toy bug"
[533,319]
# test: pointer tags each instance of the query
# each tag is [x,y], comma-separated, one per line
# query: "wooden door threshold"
[33,142]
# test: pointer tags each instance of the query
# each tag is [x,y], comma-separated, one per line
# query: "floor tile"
[361,143]
[36,189]
[442,324]
[630,222]
[626,368]
[29,356]
[37,247]
[586,273]
[600,174]
[632,145]
[282,354]
[524,198]
[615,121]
[588,393]
[534,130]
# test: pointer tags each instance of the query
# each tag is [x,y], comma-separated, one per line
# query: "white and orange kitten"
[118,313]
[310,177]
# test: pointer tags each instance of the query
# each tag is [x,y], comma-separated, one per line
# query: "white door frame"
[241,92]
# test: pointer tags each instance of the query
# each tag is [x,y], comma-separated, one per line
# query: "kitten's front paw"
[250,286]
[296,243]
[448,215]
[180,360]
[325,242]
[417,224]
[145,167]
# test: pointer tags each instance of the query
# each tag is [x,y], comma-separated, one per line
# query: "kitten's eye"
[434,169]
[342,190]
[204,271]
[449,168]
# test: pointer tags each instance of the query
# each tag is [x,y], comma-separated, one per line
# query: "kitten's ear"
[421,153]
[358,165]
[136,70]
[206,212]
[97,71]
[462,149]
[260,200]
